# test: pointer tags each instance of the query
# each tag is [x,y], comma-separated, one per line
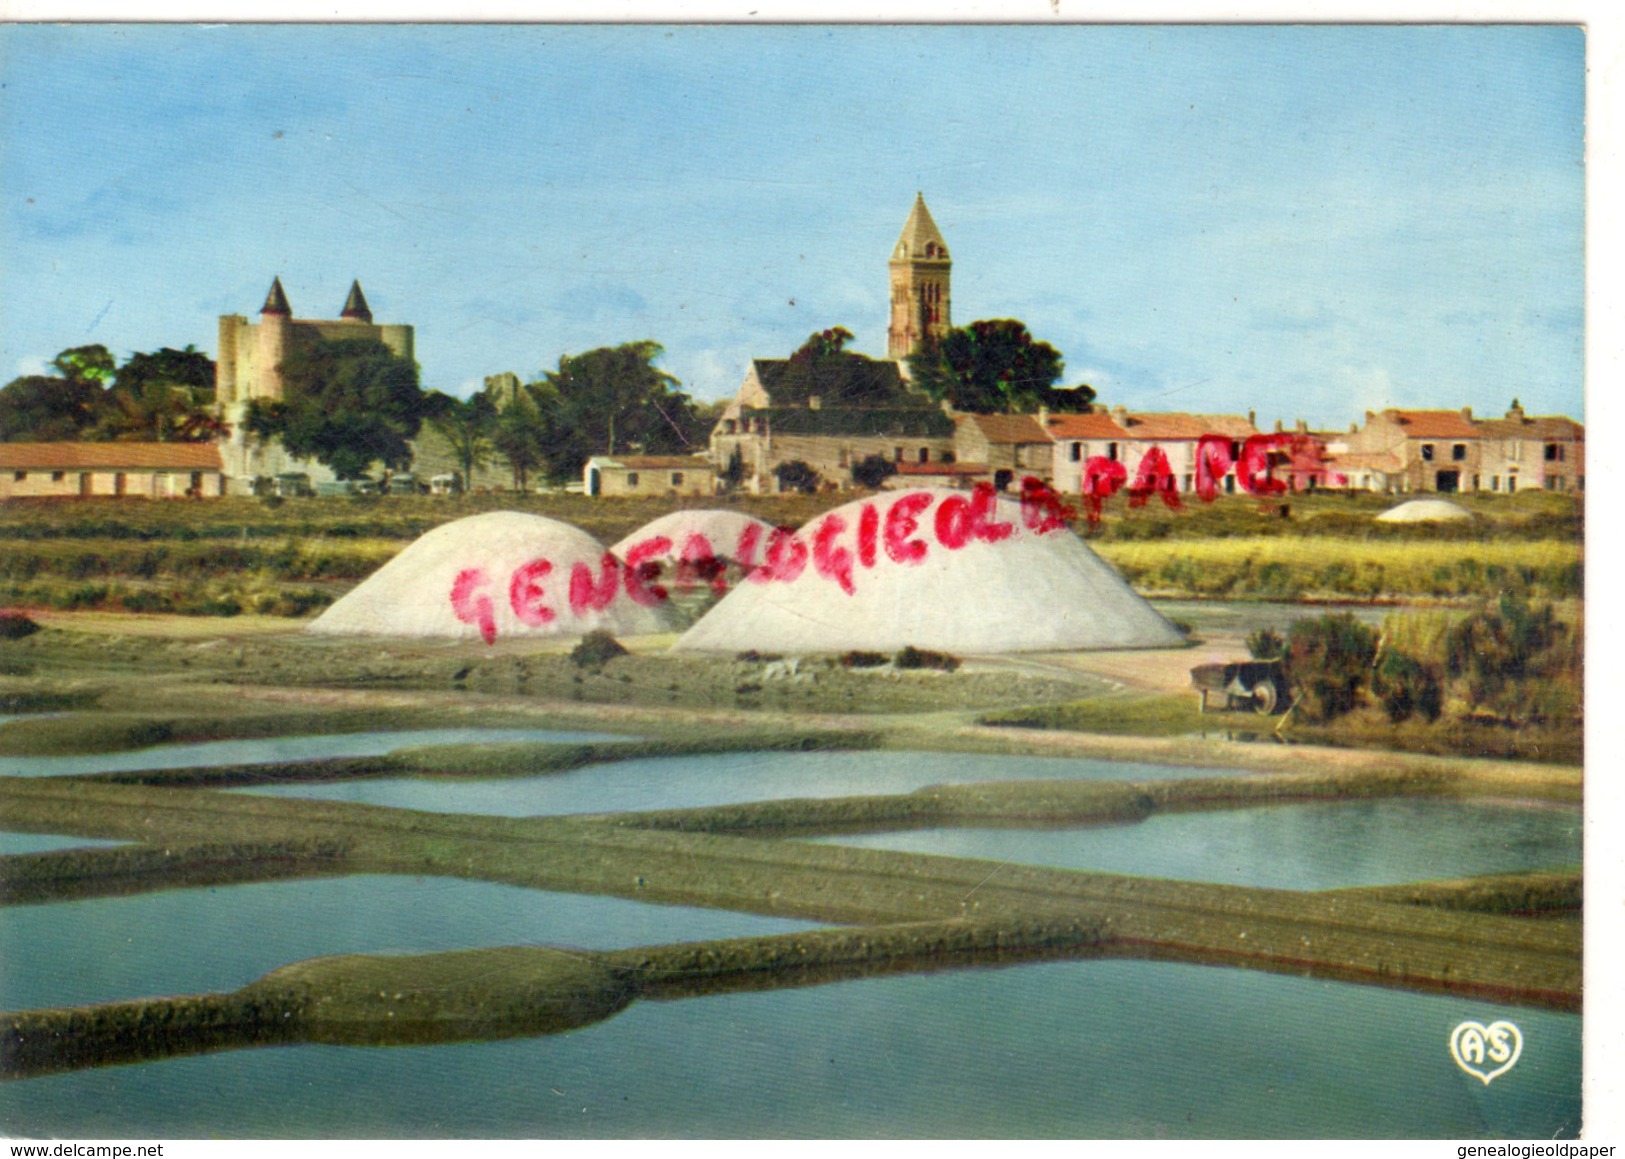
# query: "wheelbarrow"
[1258,684]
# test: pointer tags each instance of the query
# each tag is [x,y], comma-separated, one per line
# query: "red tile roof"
[1435,424]
[1553,427]
[656,462]
[942,468]
[109,456]
[1009,429]
[1177,426]
[1089,426]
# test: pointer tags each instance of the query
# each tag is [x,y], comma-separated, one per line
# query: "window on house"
[676,478]
[897,454]
[925,454]
[1111,451]
[1514,449]
[58,476]
[1427,452]
[1554,453]
[18,476]
[1074,452]
[631,478]
[1458,452]
[1495,482]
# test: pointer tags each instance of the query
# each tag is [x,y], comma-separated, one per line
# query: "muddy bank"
[501,992]
[492,760]
[76,874]
[543,670]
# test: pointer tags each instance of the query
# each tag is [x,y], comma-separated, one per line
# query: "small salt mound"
[1425,511]
[954,571]
[497,575]
[694,536]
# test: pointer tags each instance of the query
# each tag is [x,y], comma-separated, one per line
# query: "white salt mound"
[1027,592]
[721,531]
[1425,511]
[468,566]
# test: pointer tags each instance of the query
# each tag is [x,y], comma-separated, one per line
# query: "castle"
[249,368]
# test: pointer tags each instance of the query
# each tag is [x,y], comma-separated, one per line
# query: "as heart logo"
[1478,1048]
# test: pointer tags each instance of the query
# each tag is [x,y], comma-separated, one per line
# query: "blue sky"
[1306,221]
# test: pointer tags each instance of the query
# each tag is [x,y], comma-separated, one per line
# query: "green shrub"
[1407,687]
[15,625]
[858,659]
[1266,644]
[596,649]
[1328,664]
[912,657]
[1500,652]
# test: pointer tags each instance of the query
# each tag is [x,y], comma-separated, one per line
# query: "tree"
[873,471]
[38,408]
[607,401]
[163,397]
[797,476]
[152,397]
[348,403]
[86,364]
[994,367]
[467,425]
[518,437]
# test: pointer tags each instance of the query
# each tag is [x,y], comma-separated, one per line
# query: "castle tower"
[276,317]
[919,284]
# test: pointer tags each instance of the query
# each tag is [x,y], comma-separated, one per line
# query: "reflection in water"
[723,779]
[281,748]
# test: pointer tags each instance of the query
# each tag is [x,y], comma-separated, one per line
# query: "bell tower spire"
[920,297]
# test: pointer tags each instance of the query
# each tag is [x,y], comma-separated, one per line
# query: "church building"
[920,295]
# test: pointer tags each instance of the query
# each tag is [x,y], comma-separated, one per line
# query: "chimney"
[1120,413]
[1043,417]
[1252,419]
[1303,426]
[1277,426]
[1467,413]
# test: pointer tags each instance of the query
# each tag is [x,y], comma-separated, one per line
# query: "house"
[133,470]
[1077,438]
[829,413]
[1436,450]
[1009,447]
[623,476]
[1522,451]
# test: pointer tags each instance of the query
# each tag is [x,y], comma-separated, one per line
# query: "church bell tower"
[919,284]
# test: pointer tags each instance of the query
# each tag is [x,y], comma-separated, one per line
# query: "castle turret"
[920,297]
[355,306]
[276,302]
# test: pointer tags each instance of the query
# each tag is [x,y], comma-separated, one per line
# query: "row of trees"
[350,404]
[353,403]
[166,396]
